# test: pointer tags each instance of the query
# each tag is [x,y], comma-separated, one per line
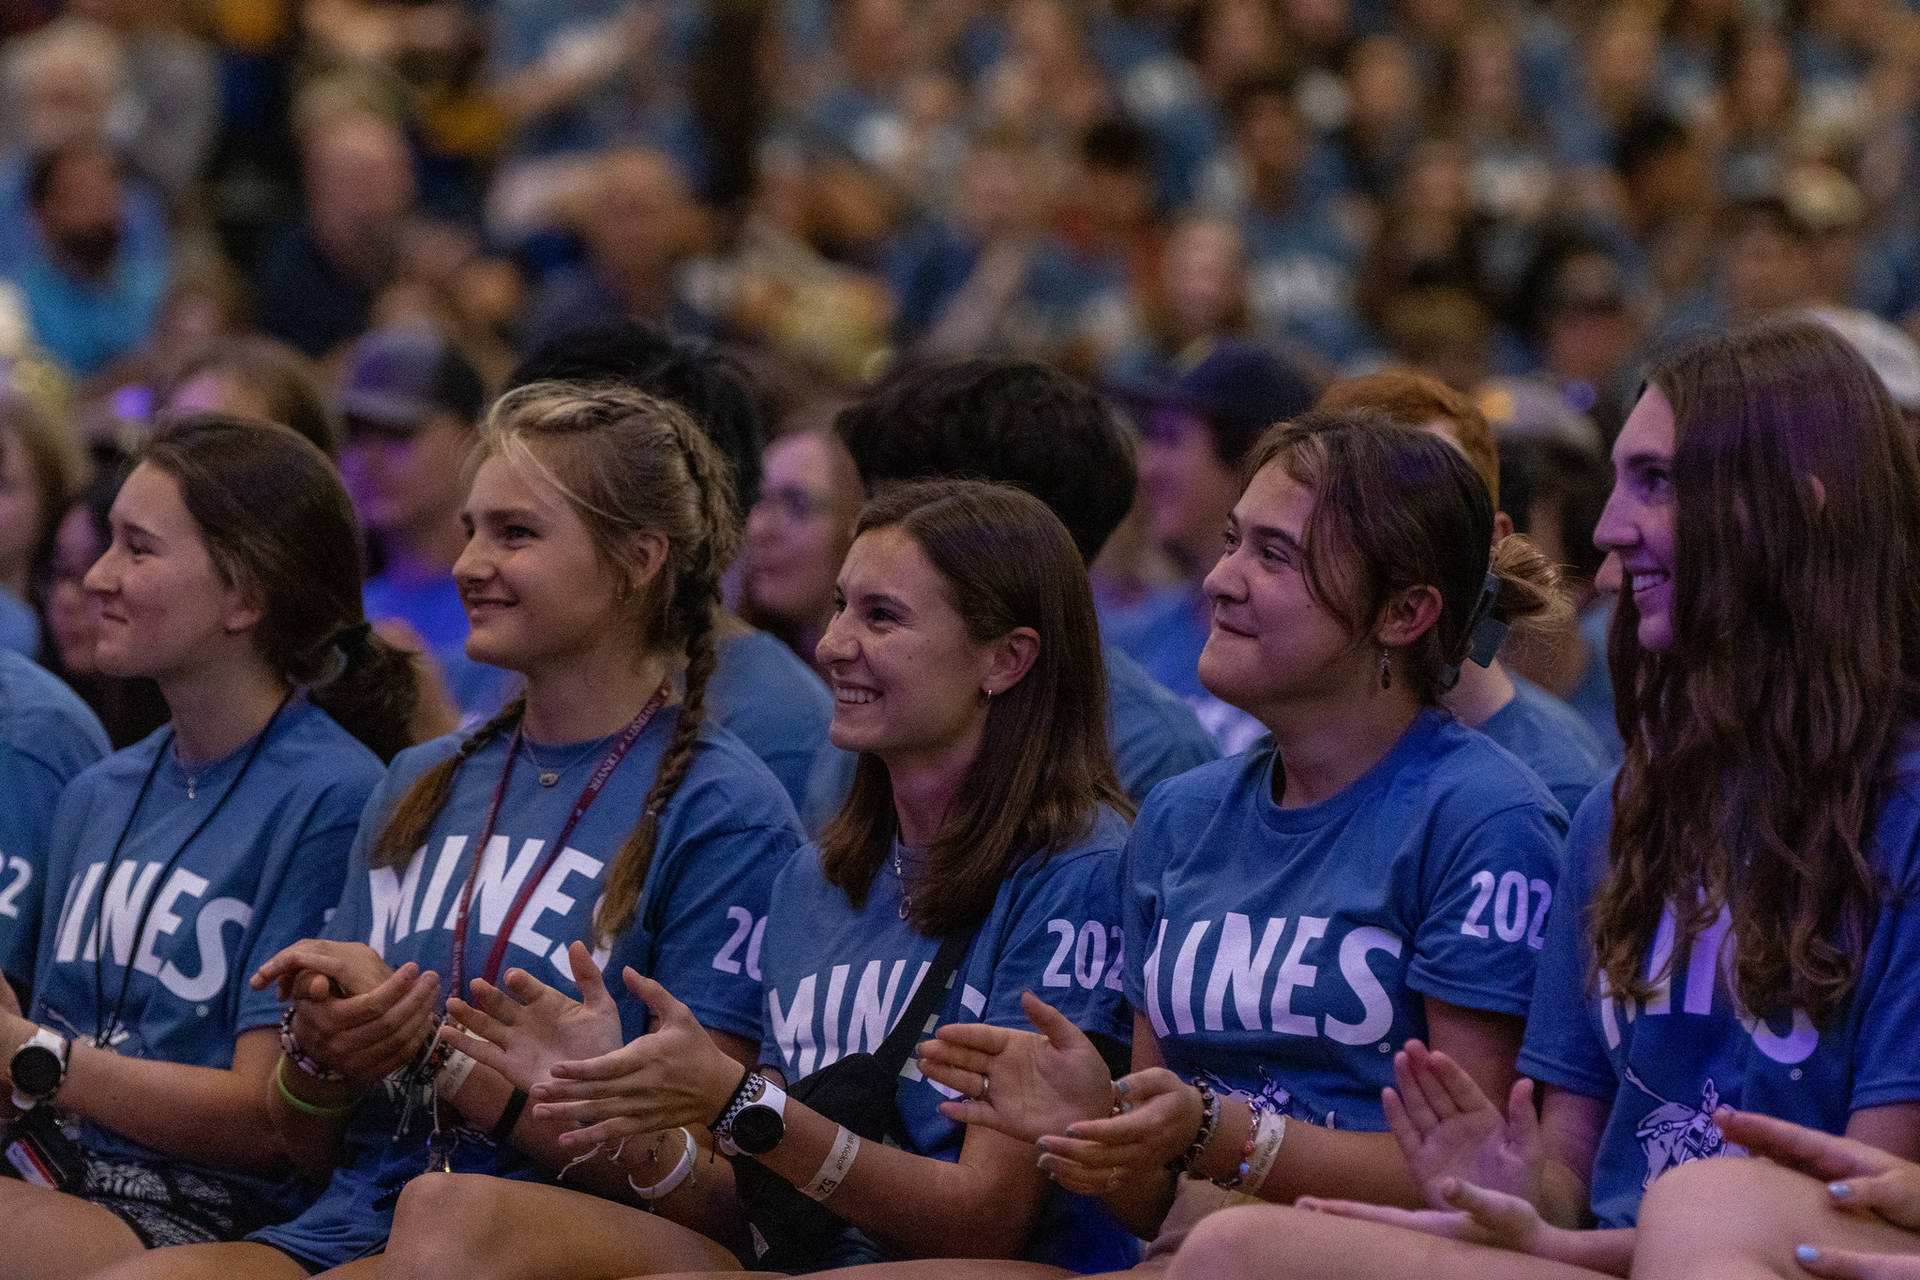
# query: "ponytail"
[369,687]
[1532,596]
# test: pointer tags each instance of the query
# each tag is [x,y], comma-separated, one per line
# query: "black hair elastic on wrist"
[509,1117]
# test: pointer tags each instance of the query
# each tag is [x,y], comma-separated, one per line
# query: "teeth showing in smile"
[1649,578]
[854,697]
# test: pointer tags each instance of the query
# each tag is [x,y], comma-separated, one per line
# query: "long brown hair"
[626,463]
[1756,746]
[1043,770]
[1397,507]
[275,519]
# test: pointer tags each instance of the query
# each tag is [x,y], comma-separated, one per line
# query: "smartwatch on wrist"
[38,1068]
[756,1120]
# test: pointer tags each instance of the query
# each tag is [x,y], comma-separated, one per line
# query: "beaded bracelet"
[1209,1120]
[290,1047]
[301,1104]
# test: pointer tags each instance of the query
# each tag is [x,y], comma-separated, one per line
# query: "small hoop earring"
[1386,668]
[986,695]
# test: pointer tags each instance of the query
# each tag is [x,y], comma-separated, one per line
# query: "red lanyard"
[588,794]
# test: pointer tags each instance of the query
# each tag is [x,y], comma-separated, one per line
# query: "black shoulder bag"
[789,1231]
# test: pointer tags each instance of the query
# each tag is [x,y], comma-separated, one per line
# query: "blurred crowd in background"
[355,217]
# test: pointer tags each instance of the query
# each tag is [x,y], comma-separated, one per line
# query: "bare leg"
[1742,1219]
[948,1269]
[54,1236]
[1263,1242]
[472,1227]
[240,1260]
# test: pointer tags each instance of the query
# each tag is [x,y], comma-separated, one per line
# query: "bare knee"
[1726,1216]
[1230,1244]
[441,1226]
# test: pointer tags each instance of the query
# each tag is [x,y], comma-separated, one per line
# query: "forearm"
[1313,1161]
[1609,1252]
[917,1205]
[208,1115]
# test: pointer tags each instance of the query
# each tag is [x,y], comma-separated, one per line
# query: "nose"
[1226,581]
[100,578]
[837,642]
[1616,529]
[472,566]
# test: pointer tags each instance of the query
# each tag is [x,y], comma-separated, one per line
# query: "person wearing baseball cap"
[410,402]
[1196,429]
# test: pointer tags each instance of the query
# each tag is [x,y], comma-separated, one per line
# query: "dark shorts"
[167,1204]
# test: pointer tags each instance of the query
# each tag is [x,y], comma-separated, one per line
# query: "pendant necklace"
[546,777]
[906,899]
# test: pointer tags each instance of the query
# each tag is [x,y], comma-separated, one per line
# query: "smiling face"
[163,609]
[536,589]
[1638,524]
[73,617]
[906,676]
[1273,641]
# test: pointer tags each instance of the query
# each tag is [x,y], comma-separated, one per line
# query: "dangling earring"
[1386,668]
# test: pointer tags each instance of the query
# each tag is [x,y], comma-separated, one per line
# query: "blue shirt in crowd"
[260,876]
[769,699]
[1284,953]
[724,836]
[837,979]
[1550,738]
[1153,736]
[1664,1064]
[47,735]
[432,608]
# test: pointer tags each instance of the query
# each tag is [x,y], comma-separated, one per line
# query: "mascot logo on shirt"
[1675,1133]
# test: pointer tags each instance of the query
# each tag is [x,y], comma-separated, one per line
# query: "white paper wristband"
[675,1176]
[833,1170]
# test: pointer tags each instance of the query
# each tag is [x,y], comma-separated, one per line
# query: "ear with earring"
[986,695]
[1386,668]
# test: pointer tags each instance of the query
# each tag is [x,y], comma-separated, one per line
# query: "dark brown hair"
[1416,399]
[1757,745]
[277,522]
[1043,770]
[626,463]
[1396,507]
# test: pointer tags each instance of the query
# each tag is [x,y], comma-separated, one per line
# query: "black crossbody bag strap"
[912,1027]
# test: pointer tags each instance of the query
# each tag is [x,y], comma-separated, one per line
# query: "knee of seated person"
[441,1224]
[1228,1244]
[1722,1203]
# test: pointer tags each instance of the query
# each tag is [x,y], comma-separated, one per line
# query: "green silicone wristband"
[300,1104]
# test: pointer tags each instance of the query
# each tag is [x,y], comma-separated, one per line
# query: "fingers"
[527,989]
[1101,1156]
[1405,1135]
[657,998]
[1894,1195]
[490,1029]
[587,976]
[485,1051]
[630,1058]
[342,1015]
[1079,1178]
[346,963]
[1846,1264]
[373,1049]
[970,1111]
[955,1057]
[1413,1098]
[1824,1155]
[1463,1093]
[1138,1125]
[579,1141]
[974,1035]
[1051,1023]
[1520,1113]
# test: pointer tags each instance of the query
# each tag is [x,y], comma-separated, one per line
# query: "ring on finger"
[986,1086]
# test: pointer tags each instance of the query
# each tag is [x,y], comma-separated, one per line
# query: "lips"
[1648,579]
[1231,630]
[853,695]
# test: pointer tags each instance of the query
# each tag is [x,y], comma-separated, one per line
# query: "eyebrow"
[503,515]
[137,530]
[882,599]
[1646,458]
[1272,533]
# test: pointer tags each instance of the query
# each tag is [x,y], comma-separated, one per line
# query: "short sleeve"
[1138,883]
[1886,1066]
[1062,941]
[295,895]
[25,839]
[1561,1047]
[1486,912]
[709,926]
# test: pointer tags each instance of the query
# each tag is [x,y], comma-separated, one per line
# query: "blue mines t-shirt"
[838,979]
[47,735]
[1152,733]
[1283,953]
[722,839]
[262,875]
[764,695]
[1665,1064]
[1553,740]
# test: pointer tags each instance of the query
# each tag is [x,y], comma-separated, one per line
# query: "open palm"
[1024,1084]
[523,1030]
[1449,1130]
